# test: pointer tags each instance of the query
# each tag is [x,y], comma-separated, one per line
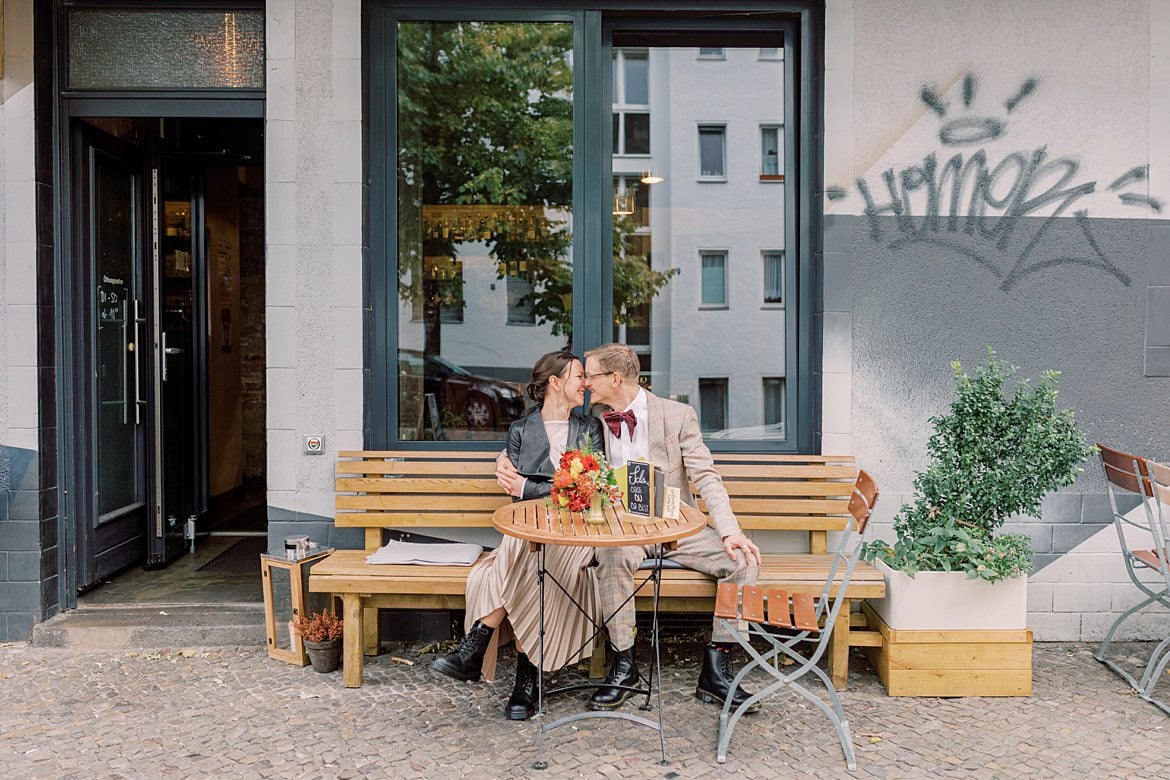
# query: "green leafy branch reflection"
[485,144]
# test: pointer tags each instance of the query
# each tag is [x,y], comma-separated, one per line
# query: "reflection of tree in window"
[485,137]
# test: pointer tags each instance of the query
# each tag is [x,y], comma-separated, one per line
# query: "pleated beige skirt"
[507,578]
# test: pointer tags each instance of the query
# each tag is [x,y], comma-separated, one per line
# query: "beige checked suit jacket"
[676,444]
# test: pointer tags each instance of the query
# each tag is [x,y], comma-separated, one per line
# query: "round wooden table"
[536,522]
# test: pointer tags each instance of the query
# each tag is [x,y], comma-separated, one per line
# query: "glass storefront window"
[485,225]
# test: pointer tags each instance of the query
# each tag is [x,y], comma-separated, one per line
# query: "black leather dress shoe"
[522,703]
[465,662]
[716,678]
[623,671]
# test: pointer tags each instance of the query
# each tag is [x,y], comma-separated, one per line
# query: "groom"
[643,426]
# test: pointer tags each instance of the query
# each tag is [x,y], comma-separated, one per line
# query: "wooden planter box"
[962,662]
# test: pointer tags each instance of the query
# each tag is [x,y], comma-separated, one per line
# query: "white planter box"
[946,601]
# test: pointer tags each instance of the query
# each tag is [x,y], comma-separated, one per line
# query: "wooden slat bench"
[412,490]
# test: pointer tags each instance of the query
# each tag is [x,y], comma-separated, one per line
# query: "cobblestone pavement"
[236,713]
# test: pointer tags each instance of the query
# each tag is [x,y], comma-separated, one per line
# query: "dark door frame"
[74,483]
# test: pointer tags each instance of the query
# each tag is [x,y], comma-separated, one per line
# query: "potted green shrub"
[322,633]
[996,455]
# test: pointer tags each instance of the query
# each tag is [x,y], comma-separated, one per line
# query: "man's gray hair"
[617,358]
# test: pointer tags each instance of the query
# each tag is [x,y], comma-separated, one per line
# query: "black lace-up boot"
[466,660]
[522,702]
[623,671]
[716,678]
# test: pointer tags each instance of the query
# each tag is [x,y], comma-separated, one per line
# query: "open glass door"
[177,299]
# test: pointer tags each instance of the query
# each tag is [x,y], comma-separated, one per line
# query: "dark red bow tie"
[614,421]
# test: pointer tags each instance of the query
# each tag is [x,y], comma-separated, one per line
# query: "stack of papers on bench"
[447,554]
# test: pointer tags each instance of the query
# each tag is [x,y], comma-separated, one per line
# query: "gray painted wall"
[1062,263]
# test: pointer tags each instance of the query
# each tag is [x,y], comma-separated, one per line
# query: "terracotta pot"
[325,656]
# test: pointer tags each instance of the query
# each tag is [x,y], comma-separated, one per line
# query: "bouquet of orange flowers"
[580,475]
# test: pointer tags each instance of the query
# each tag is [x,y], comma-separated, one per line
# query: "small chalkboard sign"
[640,492]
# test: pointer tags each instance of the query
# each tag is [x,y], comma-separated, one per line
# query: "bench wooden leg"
[597,661]
[351,654]
[370,631]
[839,648]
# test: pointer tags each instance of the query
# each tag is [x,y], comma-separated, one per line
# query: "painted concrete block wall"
[20,538]
[314,217]
[1063,265]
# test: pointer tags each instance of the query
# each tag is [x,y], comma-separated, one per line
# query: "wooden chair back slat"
[753,603]
[1161,475]
[779,609]
[804,613]
[1119,470]
[727,600]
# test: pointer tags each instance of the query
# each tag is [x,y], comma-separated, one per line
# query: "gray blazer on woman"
[529,452]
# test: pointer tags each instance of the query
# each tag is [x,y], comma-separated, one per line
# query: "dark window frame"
[801,23]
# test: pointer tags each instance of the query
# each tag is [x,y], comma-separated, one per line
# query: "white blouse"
[557,432]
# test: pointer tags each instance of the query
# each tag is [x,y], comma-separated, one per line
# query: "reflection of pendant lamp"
[623,203]
[649,177]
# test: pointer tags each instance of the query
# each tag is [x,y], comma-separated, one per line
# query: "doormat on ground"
[243,557]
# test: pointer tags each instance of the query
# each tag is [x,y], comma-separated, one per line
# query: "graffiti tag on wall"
[999,194]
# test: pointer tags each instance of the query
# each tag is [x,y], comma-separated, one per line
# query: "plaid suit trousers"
[616,567]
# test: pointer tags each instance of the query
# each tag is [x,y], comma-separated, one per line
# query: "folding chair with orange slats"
[1150,482]
[796,626]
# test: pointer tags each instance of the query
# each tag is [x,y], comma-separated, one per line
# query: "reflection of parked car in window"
[480,401]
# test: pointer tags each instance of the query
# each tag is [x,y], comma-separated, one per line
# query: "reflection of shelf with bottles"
[488,222]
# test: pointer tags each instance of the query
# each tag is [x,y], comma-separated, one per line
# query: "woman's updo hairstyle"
[552,364]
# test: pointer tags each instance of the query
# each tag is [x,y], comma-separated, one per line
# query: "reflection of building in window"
[711,52]
[714,281]
[726,126]
[771,155]
[774,400]
[520,309]
[774,277]
[770,53]
[631,101]
[712,404]
[711,151]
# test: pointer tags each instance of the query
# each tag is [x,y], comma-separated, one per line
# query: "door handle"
[168,351]
[139,401]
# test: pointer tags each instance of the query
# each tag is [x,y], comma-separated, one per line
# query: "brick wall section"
[25,227]
[252,333]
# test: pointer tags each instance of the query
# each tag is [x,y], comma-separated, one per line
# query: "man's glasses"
[600,373]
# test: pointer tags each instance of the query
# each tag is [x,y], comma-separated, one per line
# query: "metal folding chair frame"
[1151,483]
[784,646]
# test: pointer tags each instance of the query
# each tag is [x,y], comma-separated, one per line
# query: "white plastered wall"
[313,171]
